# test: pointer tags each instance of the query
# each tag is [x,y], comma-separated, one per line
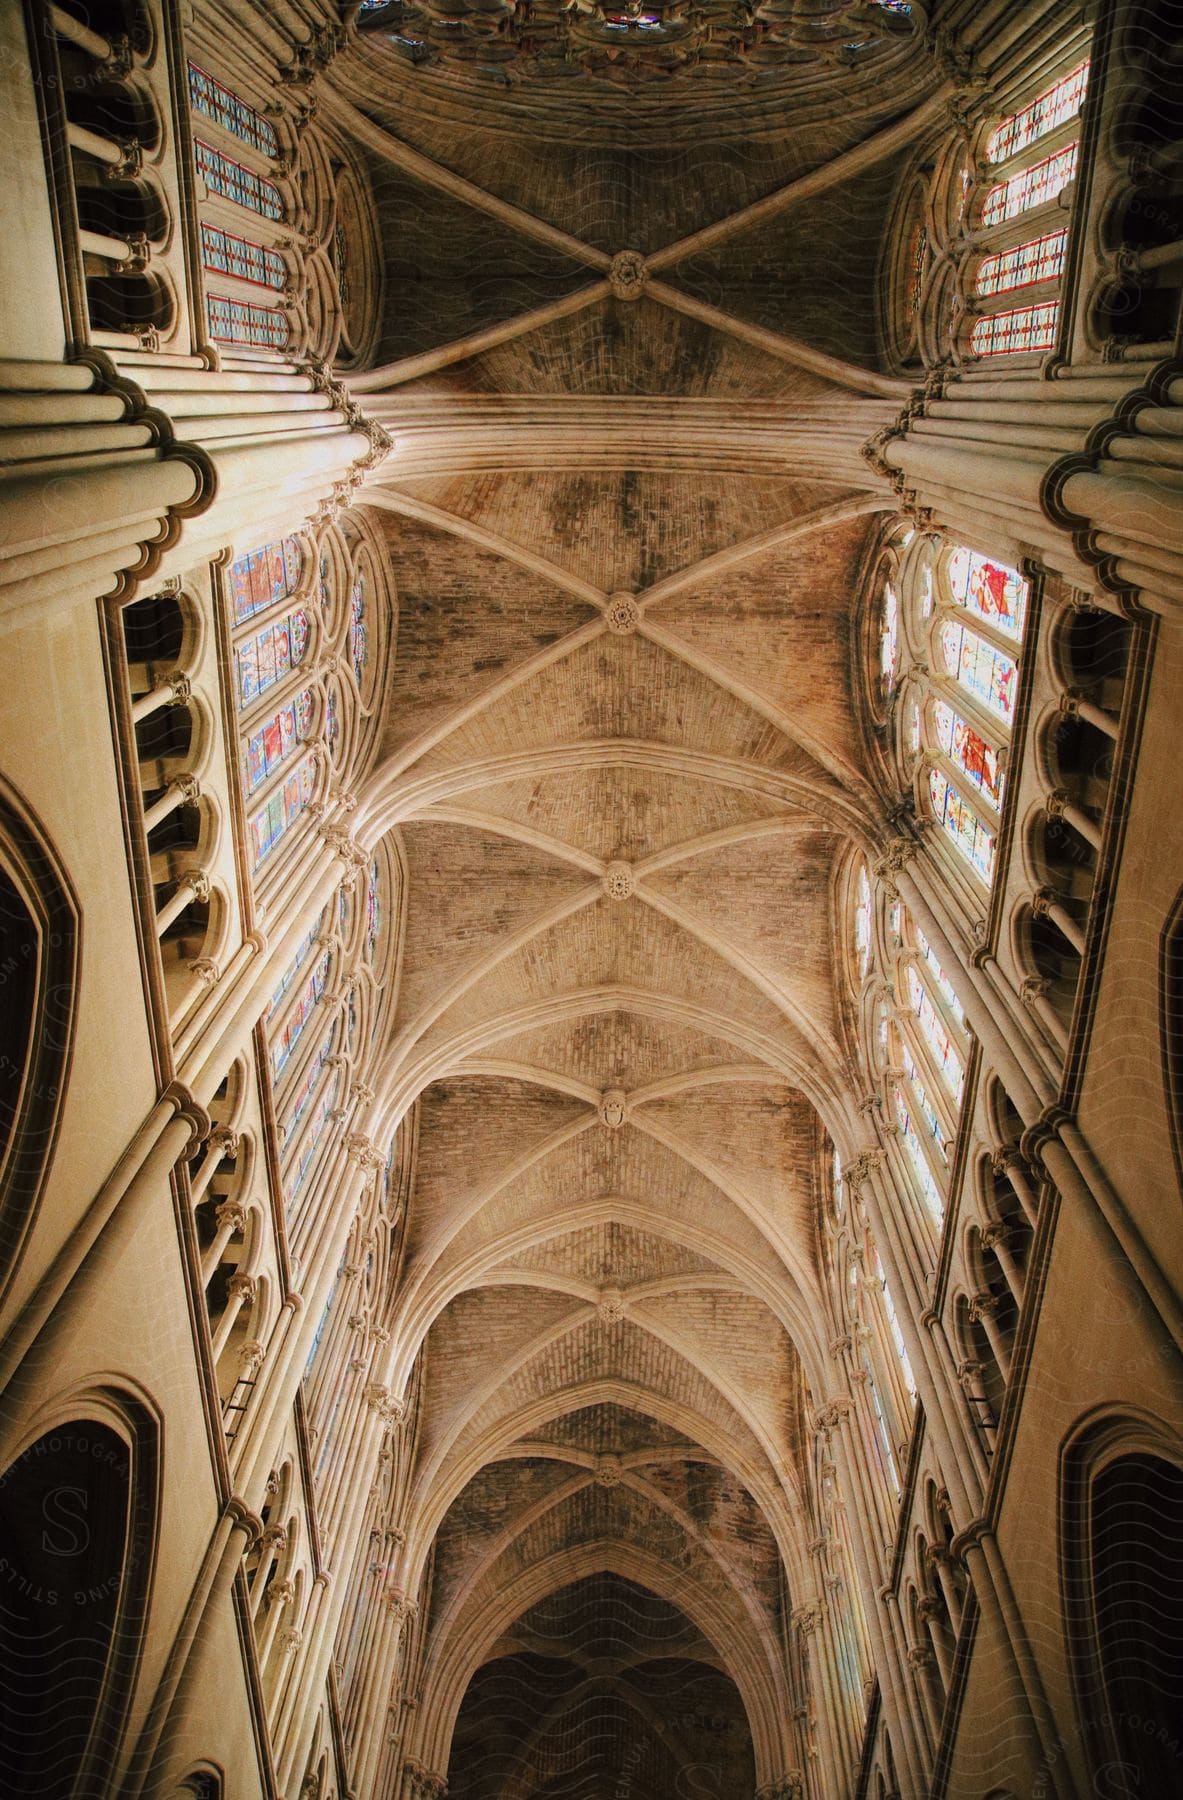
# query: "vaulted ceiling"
[626,764]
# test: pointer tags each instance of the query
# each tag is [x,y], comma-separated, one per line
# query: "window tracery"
[233,181]
[218,103]
[964,614]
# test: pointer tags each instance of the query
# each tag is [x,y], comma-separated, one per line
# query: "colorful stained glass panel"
[986,673]
[218,103]
[264,577]
[310,993]
[1040,259]
[1058,103]
[945,1053]
[1019,328]
[955,814]
[1030,187]
[222,175]
[264,659]
[991,589]
[228,254]
[242,322]
[969,752]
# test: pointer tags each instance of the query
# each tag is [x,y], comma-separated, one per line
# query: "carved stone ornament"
[241,1288]
[807,1618]
[398,1607]
[609,1471]
[206,971]
[613,1108]
[622,614]
[790,1786]
[611,1305]
[250,1357]
[280,1593]
[828,1417]
[423,1784]
[618,880]
[628,275]
[230,1216]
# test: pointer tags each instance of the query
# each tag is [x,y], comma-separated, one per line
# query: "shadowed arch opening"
[601,1687]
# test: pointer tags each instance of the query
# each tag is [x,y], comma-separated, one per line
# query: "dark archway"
[601,1688]
[66,1533]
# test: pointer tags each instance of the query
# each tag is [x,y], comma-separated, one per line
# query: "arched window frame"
[928,604]
[288,568]
[1020,247]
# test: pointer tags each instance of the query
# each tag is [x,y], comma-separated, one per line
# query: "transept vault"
[590,887]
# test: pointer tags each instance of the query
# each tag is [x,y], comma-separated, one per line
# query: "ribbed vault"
[626,768]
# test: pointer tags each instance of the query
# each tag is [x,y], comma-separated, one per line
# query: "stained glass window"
[301,1095]
[264,577]
[882,1039]
[862,924]
[275,741]
[332,719]
[894,1323]
[1019,328]
[325,582]
[986,673]
[1058,103]
[925,1178]
[266,657]
[294,967]
[310,993]
[942,980]
[320,1117]
[935,1032]
[222,175]
[373,910]
[359,648]
[895,922]
[968,752]
[889,641]
[218,103]
[995,592]
[242,322]
[1030,187]
[836,1180]
[917,263]
[1040,259]
[281,810]
[959,819]
[228,254]
[881,1431]
[928,1112]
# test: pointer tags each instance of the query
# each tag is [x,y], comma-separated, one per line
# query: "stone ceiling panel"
[468,891]
[466,618]
[782,625]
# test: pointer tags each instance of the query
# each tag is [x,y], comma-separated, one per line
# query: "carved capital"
[231,1216]
[206,970]
[860,1168]
[250,1357]
[808,1617]
[363,1151]
[829,1416]
[280,1593]
[241,1288]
